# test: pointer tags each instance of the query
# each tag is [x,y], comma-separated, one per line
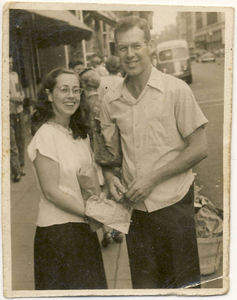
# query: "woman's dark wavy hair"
[44,110]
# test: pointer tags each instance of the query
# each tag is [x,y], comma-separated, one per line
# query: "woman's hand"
[102,197]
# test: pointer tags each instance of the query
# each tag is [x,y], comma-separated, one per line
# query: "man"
[96,65]
[17,135]
[162,137]
[76,66]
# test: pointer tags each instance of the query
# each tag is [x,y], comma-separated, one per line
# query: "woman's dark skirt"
[68,256]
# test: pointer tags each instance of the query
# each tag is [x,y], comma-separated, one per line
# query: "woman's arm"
[48,174]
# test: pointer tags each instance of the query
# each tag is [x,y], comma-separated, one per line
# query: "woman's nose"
[71,94]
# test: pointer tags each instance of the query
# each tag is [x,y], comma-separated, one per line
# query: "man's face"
[78,69]
[133,50]
[95,62]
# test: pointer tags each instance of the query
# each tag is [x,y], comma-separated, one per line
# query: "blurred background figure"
[91,84]
[96,64]
[90,81]
[76,66]
[104,60]
[17,127]
[113,66]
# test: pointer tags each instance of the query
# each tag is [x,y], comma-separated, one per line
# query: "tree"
[169,33]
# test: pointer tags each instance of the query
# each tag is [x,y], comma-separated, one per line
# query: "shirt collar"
[155,80]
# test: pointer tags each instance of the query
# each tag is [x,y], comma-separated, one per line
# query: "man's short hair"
[73,64]
[96,58]
[129,22]
[113,65]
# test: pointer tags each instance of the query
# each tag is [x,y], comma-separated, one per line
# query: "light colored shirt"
[101,71]
[55,142]
[15,94]
[107,83]
[153,129]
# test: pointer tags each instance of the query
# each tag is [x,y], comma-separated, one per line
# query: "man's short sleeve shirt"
[153,129]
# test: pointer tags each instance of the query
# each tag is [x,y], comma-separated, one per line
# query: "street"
[208,88]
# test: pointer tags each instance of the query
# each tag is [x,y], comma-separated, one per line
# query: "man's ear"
[151,46]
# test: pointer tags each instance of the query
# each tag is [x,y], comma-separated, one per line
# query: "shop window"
[199,20]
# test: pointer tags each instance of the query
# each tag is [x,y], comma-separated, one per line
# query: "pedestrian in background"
[76,66]
[96,64]
[67,254]
[91,86]
[90,82]
[162,137]
[17,126]
[113,66]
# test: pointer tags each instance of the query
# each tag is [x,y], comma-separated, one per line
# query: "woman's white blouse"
[57,143]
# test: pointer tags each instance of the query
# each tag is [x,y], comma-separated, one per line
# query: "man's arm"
[196,150]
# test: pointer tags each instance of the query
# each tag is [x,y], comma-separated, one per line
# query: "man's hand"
[116,188]
[139,189]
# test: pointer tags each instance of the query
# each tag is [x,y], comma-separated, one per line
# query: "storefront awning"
[50,28]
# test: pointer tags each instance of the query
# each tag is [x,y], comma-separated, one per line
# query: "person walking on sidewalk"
[91,86]
[67,253]
[96,64]
[76,66]
[17,127]
[113,66]
[162,137]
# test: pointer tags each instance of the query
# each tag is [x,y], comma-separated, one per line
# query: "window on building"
[199,20]
[189,18]
[211,18]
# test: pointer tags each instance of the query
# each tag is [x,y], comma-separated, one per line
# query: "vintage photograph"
[116,147]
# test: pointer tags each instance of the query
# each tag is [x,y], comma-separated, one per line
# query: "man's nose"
[130,52]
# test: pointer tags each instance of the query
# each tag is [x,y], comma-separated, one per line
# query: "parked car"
[208,56]
[173,58]
[199,53]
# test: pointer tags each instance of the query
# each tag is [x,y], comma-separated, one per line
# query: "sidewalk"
[24,208]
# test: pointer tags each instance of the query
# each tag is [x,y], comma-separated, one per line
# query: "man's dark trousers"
[162,247]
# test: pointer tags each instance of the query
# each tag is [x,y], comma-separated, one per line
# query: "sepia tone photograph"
[116,147]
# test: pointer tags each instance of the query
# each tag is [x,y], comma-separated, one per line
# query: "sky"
[160,20]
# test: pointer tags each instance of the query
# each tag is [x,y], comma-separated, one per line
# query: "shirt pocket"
[162,132]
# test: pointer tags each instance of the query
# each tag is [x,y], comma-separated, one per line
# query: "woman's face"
[66,95]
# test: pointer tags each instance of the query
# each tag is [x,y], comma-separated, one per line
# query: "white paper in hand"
[110,213]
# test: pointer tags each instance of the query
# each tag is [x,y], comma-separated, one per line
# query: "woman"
[67,254]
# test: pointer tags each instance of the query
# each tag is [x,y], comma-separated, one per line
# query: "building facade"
[202,30]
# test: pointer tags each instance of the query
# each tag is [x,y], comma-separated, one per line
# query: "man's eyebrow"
[67,85]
